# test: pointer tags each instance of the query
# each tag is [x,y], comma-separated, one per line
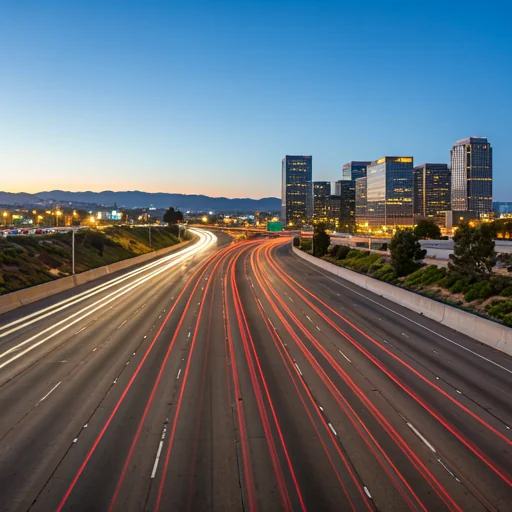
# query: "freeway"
[238,377]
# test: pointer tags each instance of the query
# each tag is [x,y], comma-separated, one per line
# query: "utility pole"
[150,235]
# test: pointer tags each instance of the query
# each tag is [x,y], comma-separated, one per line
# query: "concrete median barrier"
[14,300]
[485,331]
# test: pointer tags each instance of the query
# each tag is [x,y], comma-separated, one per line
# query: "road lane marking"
[50,392]
[367,492]
[344,356]
[298,369]
[178,376]
[411,426]
[158,453]
[332,429]
[82,329]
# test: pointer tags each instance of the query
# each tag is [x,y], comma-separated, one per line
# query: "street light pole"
[73,251]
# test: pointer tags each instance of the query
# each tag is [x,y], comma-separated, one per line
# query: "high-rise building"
[389,193]
[471,166]
[321,191]
[296,189]
[346,190]
[431,192]
[354,170]
[333,211]
[361,205]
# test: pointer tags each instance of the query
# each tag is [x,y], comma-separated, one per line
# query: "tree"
[172,216]
[321,240]
[473,254]
[427,229]
[406,252]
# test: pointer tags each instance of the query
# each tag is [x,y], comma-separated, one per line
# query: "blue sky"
[207,97]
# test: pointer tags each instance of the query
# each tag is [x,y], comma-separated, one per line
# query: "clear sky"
[208,96]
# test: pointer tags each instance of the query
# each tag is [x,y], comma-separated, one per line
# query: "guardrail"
[489,333]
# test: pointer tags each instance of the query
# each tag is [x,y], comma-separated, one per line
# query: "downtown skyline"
[186,100]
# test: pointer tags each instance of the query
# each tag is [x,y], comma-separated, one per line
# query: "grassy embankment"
[30,260]
[491,298]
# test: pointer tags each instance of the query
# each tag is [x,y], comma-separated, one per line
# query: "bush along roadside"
[469,286]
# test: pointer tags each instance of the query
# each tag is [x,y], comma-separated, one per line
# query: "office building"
[333,212]
[346,190]
[354,170]
[431,192]
[471,167]
[321,191]
[361,219]
[389,193]
[296,190]
[501,207]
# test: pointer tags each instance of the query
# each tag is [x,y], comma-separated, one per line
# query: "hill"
[138,199]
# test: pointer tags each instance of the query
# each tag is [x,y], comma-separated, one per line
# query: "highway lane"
[248,380]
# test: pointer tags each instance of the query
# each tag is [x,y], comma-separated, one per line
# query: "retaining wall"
[486,331]
[17,299]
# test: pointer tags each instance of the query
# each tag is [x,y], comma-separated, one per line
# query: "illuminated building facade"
[346,189]
[389,193]
[296,189]
[471,167]
[361,219]
[333,212]
[321,191]
[431,192]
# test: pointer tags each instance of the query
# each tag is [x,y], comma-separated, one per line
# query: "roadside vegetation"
[468,283]
[30,260]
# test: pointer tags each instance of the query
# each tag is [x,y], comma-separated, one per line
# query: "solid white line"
[421,437]
[344,356]
[51,391]
[155,465]
[414,322]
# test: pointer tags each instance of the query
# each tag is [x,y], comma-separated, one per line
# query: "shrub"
[354,253]
[499,308]
[507,320]
[385,273]
[342,252]
[425,276]
[448,281]
[306,245]
[460,286]
[507,292]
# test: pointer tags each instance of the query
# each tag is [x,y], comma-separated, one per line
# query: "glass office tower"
[354,170]
[346,190]
[321,191]
[296,190]
[389,193]
[431,192]
[361,205]
[471,166]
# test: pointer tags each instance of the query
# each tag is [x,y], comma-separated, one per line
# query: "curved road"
[239,377]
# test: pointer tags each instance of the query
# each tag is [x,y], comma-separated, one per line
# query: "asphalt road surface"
[237,377]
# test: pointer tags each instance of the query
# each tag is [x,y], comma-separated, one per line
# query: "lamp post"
[73,250]
[5,214]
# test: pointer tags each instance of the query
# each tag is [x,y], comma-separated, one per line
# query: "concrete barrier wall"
[486,331]
[17,299]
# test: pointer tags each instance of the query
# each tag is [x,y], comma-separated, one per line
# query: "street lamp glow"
[205,219]
[92,219]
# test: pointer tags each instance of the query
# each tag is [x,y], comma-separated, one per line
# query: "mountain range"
[138,199]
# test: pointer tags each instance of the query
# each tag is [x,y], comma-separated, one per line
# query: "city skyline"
[205,98]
